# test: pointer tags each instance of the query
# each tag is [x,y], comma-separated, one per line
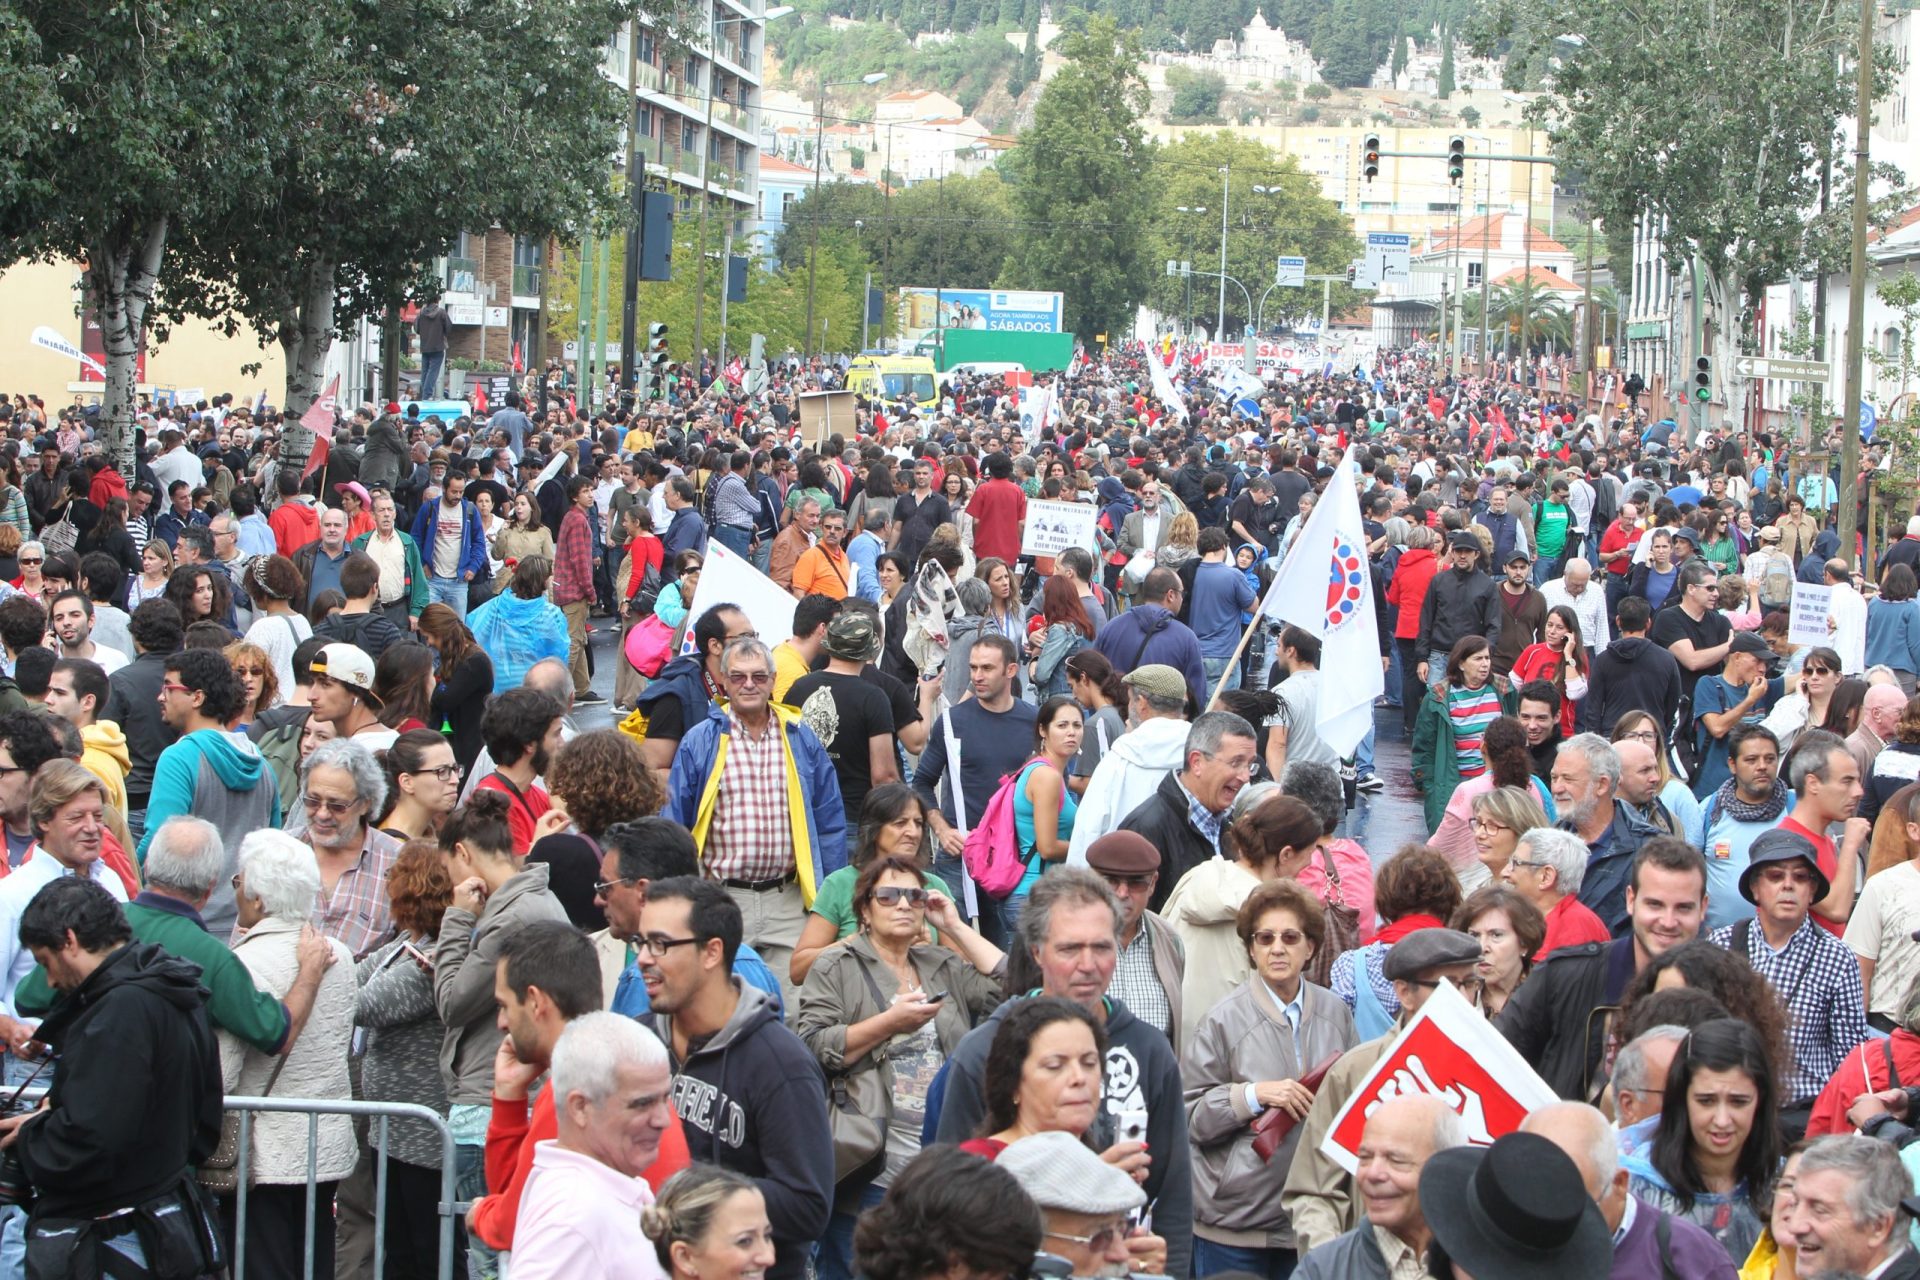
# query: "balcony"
[463,276]
[526,282]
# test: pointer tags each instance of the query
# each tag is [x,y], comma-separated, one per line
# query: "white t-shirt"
[1881,930]
[109,659]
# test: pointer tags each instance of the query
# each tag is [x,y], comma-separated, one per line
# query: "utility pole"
[1856,295]
[1220,323]
[636,184]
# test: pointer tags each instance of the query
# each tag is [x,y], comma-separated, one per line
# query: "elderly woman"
[1416,889]
[890,1008]
[1341,875]
[893,824]
[1500,817]
[1246,1058]
[1510,930]
[1272,840]
[403,1034]
[276,891]
[342,790]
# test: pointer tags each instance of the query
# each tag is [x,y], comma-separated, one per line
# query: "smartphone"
[1133,1126]
[417,954]
[934,997]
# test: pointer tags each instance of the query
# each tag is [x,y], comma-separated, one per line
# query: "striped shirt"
[1472,710]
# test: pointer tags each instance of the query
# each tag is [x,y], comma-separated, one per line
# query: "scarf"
[1768,811]
[1392,933]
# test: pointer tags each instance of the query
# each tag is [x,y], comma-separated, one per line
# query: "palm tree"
[1549,324]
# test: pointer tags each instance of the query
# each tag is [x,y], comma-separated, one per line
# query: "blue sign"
[1248,408]
[1868,419]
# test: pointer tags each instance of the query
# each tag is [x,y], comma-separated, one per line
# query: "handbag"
[858,1116]
[60,536]
[1343,926]
[649,645]
[1271,1127]
[220,1172]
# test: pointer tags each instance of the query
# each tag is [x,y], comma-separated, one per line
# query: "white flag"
[1325,587]
[1163,387]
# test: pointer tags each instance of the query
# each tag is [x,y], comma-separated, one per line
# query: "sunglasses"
[1285,937]
[338,808]
[890,895]
[748,679]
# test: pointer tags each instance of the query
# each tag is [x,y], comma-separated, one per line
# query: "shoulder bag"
[1343,927]
[220,1172]
[861,1107]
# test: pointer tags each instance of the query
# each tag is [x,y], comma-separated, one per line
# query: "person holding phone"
[886,1002]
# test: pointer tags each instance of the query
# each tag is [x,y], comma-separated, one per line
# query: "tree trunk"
[121,273]
[306,336]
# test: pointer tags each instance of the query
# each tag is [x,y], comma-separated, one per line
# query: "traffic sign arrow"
[1785,370]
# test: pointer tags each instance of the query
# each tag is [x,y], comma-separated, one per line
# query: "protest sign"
[726,578]
[1450,1051]
[1807,619]
[1052,527]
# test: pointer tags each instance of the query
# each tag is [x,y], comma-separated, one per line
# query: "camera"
[16,1188]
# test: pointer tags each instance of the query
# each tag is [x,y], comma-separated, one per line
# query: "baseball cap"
[853,636]
[1463,541]
[1749,642]
[350,665]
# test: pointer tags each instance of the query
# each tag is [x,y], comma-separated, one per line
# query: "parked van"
[895,378]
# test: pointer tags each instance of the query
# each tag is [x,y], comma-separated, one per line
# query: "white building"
[1500,245]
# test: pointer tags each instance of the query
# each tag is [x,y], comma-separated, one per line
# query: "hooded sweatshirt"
[463,973]
[1141,1075]
[753,1099]
[103,749]
[223,778]
[1127,777]
[1202,910]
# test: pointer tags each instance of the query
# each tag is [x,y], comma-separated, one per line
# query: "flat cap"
[1061,1172]
[1123,853]
[1157,680]
[1425,949]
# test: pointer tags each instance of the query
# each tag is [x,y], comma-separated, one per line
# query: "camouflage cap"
[853,636]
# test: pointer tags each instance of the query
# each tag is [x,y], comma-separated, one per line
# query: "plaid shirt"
[1819,980]
[573,560]
[1205,821]
[1136,984]
[355,912]
[752,836]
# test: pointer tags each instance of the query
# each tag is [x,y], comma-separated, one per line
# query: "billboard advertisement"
[922,311]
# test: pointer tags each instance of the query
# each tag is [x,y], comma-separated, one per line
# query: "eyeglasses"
[1285,937]
[602,888]
[1523,862]
[1640,735]
[656,945]
[749,678]
[1098,1242]
[1138,883]
[891,894]
[335,807]
[1488,825]
[444,772]
[174,687]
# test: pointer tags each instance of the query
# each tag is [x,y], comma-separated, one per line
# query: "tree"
[1079,178]
[1722,135]
[1470,117]
[138,124]
[1444,85]
[1196,95]
[1316,92]
[1399,63]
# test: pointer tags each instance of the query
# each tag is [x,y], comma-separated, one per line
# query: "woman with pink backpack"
[1030,818]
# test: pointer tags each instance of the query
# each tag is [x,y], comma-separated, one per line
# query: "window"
[526,251]
[646,122]
[1473,275]
[689,136]
[1890,342]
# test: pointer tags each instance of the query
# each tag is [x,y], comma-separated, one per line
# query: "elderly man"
[1879,717]
[1586,788]
[1152,963]
[738,778]
[580,1212]
[1810,969]
[1574,588]
[794,541]
[319,562]
[1071,929]
[1153,746]
[1640,1073]
[401,590]
[1847,1216]
[1186,813]
[1398,1140]
[343,788]
[1318,1196]
[1557,1018]
[1088,1206]
[1547,868]
[1644,1237]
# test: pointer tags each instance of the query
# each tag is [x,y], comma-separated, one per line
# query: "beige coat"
[1201,911]
[1318,1197]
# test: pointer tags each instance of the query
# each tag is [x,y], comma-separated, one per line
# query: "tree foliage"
[956,233]
[1080,182]
[1196,95]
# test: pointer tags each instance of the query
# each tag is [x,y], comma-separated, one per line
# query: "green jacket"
[416,574]
[1436,757]
[235,1005]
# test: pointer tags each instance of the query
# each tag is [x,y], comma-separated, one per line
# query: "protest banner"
[1052,527]
[1807,618]
[1450,1051]
[726,578]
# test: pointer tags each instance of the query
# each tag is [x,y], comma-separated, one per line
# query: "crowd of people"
[1003,916]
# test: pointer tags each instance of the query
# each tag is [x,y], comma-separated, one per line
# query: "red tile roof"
[1490,232]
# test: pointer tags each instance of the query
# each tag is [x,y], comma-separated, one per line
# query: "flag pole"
[1213,699]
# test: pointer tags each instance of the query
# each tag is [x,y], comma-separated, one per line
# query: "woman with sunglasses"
[883,1012]
[423,781]
[1246,1058]
[893,824]
[1810,702]
[33,556]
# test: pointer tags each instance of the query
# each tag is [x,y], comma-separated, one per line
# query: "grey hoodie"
[1127,778]
[463,970]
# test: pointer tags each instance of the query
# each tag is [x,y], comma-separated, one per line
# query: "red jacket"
[1408,590]
[294,525]
[108,484]
[1863,1071]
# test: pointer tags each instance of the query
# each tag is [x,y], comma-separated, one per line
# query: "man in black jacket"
[110,1140]
[1561,1018]
[1184,816]
[1631,674]
[133,699]
[1461,602]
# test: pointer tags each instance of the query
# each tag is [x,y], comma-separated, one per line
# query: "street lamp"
[706,153]
[819,145]
[1220,322]
[1190,208]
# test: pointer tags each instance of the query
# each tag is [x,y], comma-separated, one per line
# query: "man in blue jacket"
[452,544]
[1150,632]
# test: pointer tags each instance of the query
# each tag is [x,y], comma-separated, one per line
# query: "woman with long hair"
[10,543]
[1002,615]
[1844,708]
[1808,705]
[13,502]
[403,682]
[1700,965]
[812,483]
[1718,546]
[1711,1154]
[423,782]
[156,570]
[1509,930]
[255,669]
[596,780]
[671,605]
[1102,696]
[272,583]
[893,824]
[877,492]
[1068,631]
[1449,732]
[1043,1074]
[109,535]
[463,679]
[201,594]
[1687,809]
[520,626]
[1504,748]
[1560,659]
[1043,805]
[523,538]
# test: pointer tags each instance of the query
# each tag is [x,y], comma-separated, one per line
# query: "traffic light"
[1456,158]
[1702,379]
[1352,270]
[1370,157]
[657,345]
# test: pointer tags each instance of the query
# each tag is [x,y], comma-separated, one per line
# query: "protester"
[1399,1139]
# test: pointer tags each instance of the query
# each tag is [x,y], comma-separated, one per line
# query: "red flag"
[1499,417]
[319,419]
[479,399]
[316,459]
[519,365]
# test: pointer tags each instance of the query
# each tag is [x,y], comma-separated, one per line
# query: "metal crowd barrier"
[380,1114]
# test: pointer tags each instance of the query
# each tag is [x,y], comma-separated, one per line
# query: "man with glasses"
[824,568]
[1184,817]
[1697,634]
[208,772]
[759,794]
[1152,964]
[751,1095]
[1547,868]
[1088,1207]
